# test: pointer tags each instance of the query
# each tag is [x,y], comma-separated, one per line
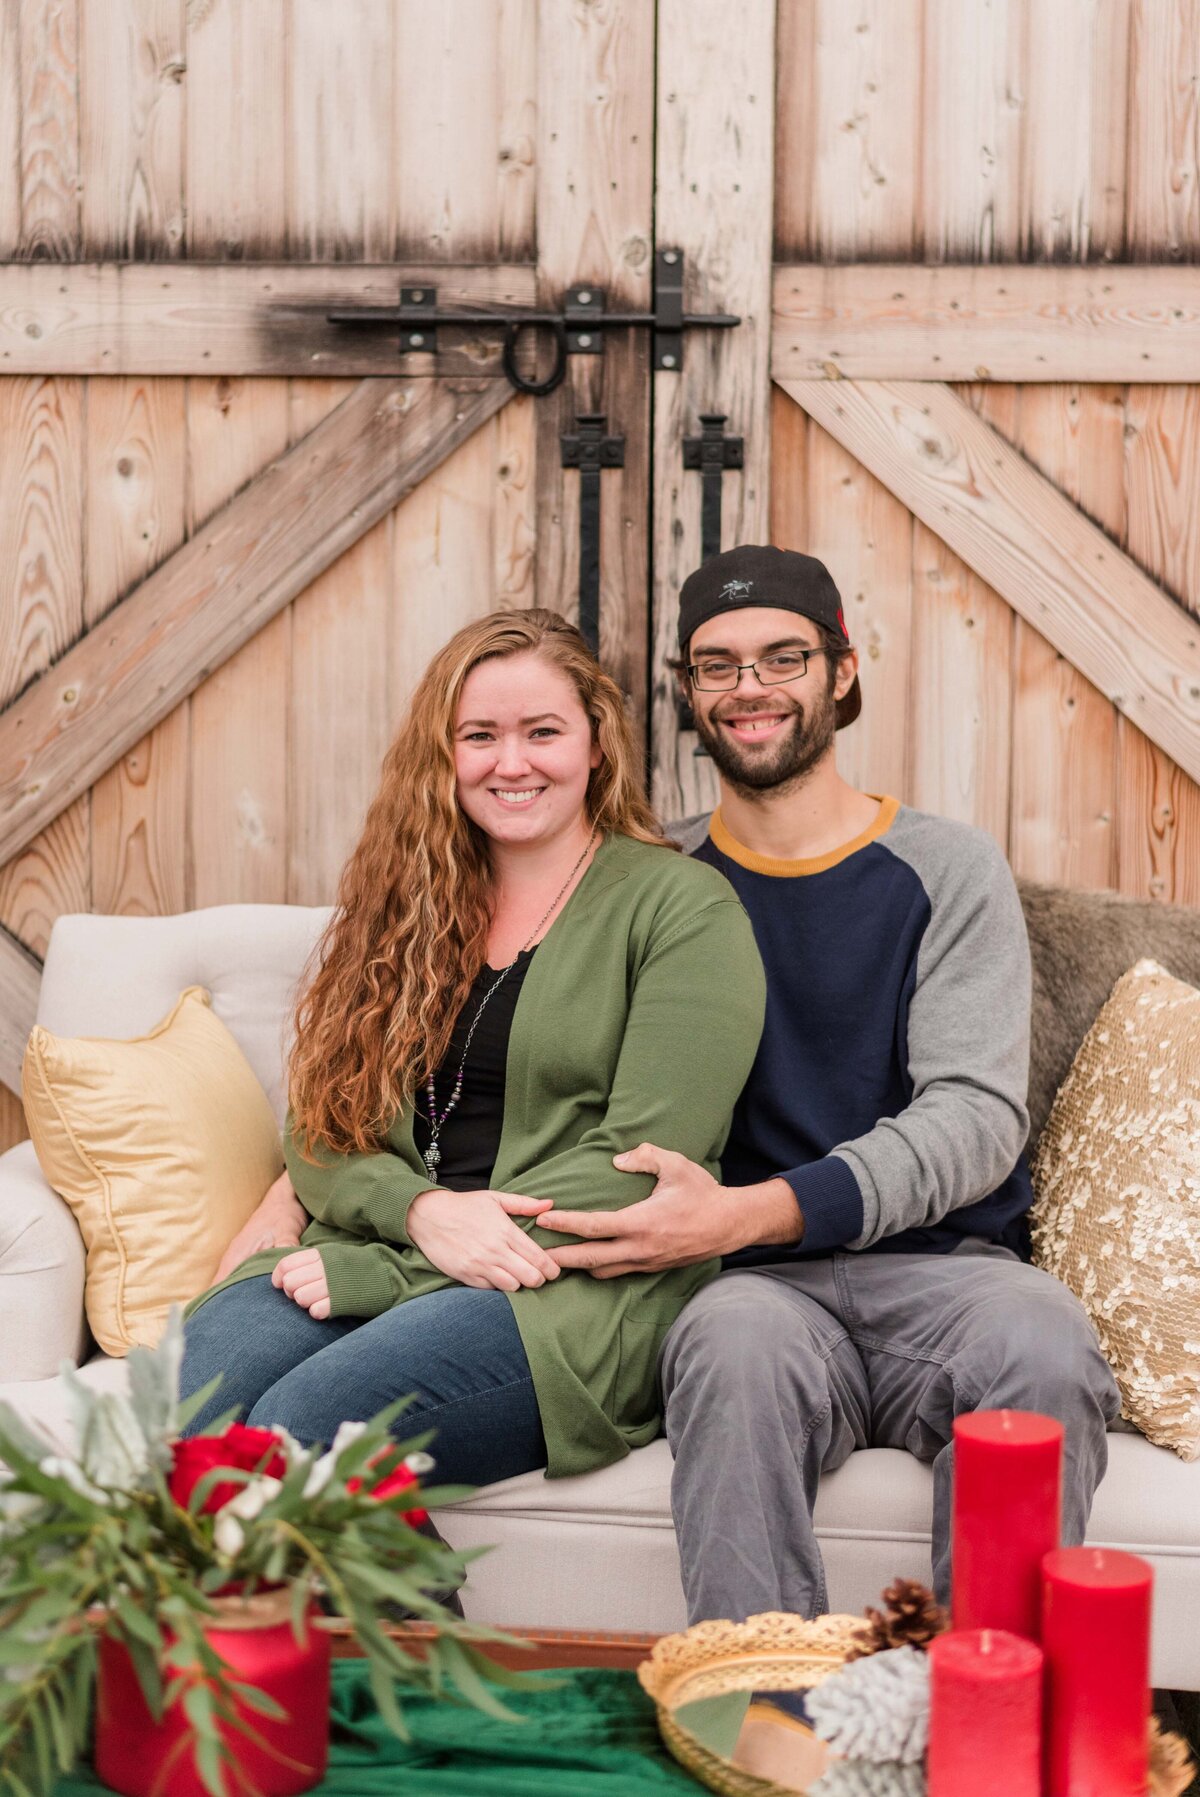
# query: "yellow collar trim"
[788,870]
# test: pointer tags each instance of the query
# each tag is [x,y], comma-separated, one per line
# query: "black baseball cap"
[757,574]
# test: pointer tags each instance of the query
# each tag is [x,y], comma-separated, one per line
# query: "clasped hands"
[687,1218]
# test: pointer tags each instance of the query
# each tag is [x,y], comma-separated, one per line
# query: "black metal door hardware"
[578,330]
[711,453]
[590,450]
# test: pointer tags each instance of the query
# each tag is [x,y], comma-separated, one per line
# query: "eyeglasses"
[716,674]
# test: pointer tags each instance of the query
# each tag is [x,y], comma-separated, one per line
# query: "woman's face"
[523,750]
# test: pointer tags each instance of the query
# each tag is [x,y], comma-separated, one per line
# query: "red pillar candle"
[985,1714]
[1007,1505]
[1096,1638]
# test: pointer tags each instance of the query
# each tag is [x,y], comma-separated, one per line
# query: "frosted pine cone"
[876,1708]
[858,1778]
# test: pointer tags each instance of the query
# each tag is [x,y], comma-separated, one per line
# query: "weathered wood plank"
[892,322]
[962,670]
[41,614]
[20,977]
[1072,186]
[444,560]
[595,211]
[10,130]
[1064,730]
[197,609]
[1163,198]
[970,149]
[848,116]
[135,485]
[234,318]
[340,166]
[465,128]
[337,725]
[962,641]
[1030,543]
[714,184]
[864,537]
[45,48]
[132,63]
[239,717]
[1158,805]
[237,160]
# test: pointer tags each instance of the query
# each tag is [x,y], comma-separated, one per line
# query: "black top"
[470,1138]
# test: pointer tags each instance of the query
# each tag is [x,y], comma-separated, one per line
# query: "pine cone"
[1171,1765]
[910,1618]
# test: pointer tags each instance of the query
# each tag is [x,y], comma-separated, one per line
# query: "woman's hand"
[468,1236]
[279,1222]
[302,1277]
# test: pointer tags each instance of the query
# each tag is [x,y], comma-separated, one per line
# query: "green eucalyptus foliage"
[95,1544]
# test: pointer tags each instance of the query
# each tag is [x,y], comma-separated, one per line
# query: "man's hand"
[302,1277]
[279,1222]
[687,1218]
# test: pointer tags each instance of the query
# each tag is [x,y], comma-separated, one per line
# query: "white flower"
[319,1475]
[322,1470]
[253,1497]
[419,1464]
[290,1445]
[229,1537]
[347,1435]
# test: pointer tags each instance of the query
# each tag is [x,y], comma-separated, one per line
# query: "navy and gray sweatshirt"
[890,1084]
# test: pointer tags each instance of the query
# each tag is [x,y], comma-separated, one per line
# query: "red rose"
[398,1480]
[240,1446]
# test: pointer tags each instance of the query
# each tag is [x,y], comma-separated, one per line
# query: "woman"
[520,980]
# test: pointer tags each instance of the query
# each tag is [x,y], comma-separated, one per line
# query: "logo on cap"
[736,589]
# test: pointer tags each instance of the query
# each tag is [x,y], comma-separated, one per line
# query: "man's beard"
[790,758]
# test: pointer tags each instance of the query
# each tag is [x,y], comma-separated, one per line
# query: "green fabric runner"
[585,1733]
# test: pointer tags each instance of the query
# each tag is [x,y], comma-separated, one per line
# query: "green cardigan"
[637,1022]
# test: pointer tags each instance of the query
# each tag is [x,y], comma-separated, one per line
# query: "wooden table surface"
[541,1649]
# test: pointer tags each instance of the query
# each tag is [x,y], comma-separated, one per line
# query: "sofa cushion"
[162,1146]
[116,976]
[1117,1216]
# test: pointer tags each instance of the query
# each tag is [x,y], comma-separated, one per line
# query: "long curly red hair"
[410,928]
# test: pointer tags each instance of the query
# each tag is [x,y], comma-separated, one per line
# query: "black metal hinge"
[589,450]
[712,453]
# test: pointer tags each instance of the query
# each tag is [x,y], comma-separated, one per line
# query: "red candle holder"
[1096,1638]
[1007,1510]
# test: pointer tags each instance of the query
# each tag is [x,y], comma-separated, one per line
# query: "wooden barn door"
[232,532]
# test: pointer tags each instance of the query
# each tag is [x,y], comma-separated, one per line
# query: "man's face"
[766,736]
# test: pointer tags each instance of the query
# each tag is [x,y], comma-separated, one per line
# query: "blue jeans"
[458,1352]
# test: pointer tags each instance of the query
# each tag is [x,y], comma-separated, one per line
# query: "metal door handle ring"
[509,357]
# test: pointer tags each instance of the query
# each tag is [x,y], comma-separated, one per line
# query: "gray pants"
[775,1375]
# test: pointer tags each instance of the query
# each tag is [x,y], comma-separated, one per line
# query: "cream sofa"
[596,1552]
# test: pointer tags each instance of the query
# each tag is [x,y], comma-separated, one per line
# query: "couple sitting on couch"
[535,1029]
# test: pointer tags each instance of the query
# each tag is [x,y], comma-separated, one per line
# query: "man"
[872,1216]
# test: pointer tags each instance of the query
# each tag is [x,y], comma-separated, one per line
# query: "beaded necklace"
[433,1154]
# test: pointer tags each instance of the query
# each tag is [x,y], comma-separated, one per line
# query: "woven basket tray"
[771,1652]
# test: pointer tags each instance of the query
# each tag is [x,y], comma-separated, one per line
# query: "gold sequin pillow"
[1117,1211]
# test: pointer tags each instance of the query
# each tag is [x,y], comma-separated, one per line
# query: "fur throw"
[1081,944]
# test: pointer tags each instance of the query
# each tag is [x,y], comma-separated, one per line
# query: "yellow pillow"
[1117,1216]
[162,1147]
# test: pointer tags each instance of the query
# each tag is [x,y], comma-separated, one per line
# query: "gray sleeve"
[968,1040]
